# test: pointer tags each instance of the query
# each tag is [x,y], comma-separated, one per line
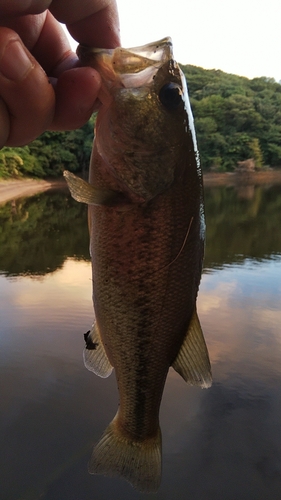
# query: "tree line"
[236,118]
[50,154]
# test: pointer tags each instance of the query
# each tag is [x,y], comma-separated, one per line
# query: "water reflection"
[38,233]
[239,228]
[220,443]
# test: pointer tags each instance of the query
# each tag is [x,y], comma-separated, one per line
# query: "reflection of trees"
[242,228]
[247,191]
[37,234]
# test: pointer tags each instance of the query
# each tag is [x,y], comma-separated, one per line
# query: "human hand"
[41,84]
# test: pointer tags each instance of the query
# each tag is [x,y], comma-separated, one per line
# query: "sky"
[242,37]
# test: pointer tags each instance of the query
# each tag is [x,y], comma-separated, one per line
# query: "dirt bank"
[12,189]
[232,179]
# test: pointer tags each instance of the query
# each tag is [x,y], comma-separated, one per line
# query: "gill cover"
[145,127]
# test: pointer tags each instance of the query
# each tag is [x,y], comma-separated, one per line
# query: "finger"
[76,98]
[25,89]
[105,35]
[94,23]
[4,123]
[43,36]
[76,88]
[11,9]
[28,27]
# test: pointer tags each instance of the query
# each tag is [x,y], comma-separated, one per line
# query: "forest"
[236,118]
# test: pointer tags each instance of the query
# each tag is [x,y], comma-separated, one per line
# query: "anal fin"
[95,357]
[192,361]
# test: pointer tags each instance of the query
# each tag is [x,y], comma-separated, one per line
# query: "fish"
[147,237]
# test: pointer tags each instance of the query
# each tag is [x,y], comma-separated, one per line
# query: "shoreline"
[212,179]
[11,189]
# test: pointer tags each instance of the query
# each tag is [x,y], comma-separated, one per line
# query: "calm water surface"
[223,443]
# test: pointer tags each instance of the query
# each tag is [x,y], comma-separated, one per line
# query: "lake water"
[223,443]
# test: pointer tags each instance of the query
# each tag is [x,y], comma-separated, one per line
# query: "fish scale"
[146,224]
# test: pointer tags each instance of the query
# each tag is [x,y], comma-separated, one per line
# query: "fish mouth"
[131,67]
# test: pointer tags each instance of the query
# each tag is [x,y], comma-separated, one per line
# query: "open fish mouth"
[136,128]
[132,67]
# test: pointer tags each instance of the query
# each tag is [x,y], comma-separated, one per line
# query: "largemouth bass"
[147,229]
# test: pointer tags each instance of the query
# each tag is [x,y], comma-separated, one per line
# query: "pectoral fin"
[95,357]
[84,192]
[192,361]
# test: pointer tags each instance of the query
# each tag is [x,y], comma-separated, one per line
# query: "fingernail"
[15,64]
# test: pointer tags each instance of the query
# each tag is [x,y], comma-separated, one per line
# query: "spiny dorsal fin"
[84,192]
[95,357]
[192,361]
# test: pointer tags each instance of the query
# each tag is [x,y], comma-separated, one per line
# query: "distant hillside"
[235,119]
[50,154]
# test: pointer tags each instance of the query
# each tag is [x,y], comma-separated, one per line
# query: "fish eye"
[170,95]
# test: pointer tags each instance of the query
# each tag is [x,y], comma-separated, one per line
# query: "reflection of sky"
[223,443]
[56,294]
[253,276]
[229,442]
[257,283]
[243,305]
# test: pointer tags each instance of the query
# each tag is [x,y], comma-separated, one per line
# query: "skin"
[39,73]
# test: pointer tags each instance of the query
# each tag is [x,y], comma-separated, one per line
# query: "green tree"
[235,118]
[50,154]
[255,152]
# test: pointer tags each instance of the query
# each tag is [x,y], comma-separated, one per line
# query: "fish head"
[144,125]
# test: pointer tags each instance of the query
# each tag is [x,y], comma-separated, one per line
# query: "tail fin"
[139,462]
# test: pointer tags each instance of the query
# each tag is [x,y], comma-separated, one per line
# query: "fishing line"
[180,251]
